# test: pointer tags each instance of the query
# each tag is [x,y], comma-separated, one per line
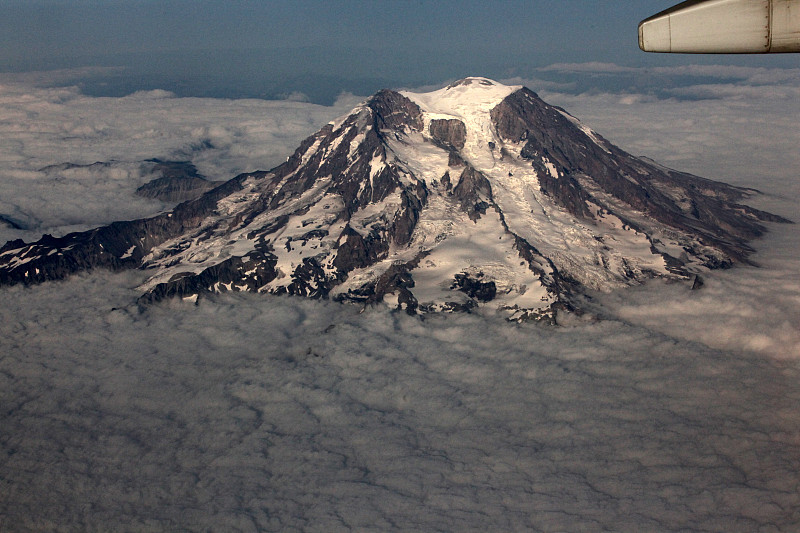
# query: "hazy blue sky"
[78,27]
[271,49]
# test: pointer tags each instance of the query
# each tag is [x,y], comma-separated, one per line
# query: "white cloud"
[678,411]
[595,67]
[755,75]
[738,92]
[155,94]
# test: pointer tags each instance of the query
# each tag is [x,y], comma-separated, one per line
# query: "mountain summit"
[477,194]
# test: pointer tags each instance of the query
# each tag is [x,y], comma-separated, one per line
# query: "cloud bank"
[677,411]
[274,414]
[41,126]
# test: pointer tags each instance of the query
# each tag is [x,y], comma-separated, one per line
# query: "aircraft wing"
[724,27]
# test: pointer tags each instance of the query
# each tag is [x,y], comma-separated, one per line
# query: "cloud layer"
[678,411]
[275,414]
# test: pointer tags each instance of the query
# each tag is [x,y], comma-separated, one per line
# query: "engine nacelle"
[724,27]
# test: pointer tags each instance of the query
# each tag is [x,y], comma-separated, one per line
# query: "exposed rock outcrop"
[449,133]
[178,181]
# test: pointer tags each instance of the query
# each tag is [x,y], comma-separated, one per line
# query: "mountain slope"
[475,194]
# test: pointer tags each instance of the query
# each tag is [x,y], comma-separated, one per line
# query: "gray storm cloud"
[679,410]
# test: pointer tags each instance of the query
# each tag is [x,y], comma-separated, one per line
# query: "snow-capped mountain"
[478,194]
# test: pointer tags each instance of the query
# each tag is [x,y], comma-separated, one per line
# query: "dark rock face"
[454,160]
[469,81]
[250,272]
[178,181]
[356,251]
[450,133]
[397,280]
[407,217]
[473,192]
[309,280]
[395,111]
[483,291]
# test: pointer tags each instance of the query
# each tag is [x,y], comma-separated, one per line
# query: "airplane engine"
[724,27]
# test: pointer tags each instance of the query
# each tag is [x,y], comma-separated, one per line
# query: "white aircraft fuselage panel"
[724,27]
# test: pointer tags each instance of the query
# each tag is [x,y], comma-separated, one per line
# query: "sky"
[664,409]
[273,49]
